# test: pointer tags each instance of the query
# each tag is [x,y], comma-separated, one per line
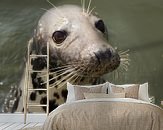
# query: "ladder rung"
[36,89]
[36,105]
[39,71]
[38,55]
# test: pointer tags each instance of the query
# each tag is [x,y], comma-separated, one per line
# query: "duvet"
[106,114]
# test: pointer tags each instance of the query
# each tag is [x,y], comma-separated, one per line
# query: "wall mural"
[79,53]
[82,49]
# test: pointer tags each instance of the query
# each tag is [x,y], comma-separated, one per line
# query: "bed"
[106,114]
[99,112]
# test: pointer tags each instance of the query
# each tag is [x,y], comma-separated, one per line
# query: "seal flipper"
[12,99]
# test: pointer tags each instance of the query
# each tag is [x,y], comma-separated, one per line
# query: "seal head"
[77,39]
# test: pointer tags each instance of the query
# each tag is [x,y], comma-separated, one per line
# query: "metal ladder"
[27,89]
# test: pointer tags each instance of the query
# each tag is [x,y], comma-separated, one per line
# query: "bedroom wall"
[135,25]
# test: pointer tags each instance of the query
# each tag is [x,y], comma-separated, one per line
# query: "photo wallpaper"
[121,42]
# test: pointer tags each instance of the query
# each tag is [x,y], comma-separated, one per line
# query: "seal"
[79,54]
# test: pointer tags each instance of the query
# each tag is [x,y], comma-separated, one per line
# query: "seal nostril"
[97,57]
[109,53]
[103,56]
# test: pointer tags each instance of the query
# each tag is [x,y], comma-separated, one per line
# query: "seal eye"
[59,36]
[100,25]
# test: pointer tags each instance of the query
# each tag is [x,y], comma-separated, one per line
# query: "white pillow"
[71,92]
[103,95]
[143,90]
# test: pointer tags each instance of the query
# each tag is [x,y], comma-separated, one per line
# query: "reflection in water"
[133,25]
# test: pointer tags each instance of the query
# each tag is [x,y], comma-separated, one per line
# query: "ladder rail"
[25,96]
[26,82]
[47,85]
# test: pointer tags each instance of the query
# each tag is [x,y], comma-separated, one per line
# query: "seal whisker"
[83,5]
[70,69]
[55,8]
[77,63]
[81,73]
[116,74]
[64,67]
[73,81]
[120,69]
[75,76]
[88,8]
[125,67]
[68,80]
[88,76]
[91,11]
[61,67]
[125,62]
[124,58]
[60,70]
[48,12]
[56,72]
[77,71]
[81,76]
[124,55]
[124,52]
[67,71]
[64,78]
[51,3]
